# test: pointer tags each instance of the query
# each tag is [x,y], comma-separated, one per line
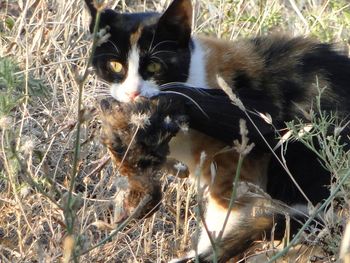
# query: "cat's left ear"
[176,22]
[93,12]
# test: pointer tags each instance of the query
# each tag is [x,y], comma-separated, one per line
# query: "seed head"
[243,147]
[179,166]
[141,120]
[5,122]
[28,146]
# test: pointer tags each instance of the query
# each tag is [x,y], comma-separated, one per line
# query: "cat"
[149,54]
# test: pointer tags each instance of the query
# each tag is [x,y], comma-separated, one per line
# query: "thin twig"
[133,215]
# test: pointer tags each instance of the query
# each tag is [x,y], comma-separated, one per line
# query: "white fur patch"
[215,218]
[133,83]
[197,73]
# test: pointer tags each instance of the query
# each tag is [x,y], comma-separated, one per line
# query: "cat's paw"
[175,168]
[188,258]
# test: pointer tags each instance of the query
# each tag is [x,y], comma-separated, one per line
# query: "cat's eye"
[154,67]
[115,66]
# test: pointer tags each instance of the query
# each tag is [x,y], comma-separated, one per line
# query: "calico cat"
[149,54]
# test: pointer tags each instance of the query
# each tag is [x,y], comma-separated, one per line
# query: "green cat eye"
[115,66]
[153,67]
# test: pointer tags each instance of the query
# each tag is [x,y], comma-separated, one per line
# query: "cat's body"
[147,53]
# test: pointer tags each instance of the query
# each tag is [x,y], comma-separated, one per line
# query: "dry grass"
[49,41]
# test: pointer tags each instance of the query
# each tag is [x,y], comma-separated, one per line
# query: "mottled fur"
[137,136]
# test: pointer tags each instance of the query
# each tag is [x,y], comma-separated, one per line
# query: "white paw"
[189,255]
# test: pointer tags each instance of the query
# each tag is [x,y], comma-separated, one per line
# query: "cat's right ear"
[93,12]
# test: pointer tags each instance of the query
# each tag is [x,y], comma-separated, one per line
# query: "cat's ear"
[176,22]
[93,11]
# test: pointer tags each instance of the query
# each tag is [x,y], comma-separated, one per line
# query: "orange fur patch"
[225,58]
[134,37]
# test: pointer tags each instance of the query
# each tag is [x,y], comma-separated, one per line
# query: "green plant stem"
[69,217]
[69,213]
[211,239]
[238,103]
[295,240]
[233,196]
[200,214]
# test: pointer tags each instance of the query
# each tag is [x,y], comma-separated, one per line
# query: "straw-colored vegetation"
[44,48]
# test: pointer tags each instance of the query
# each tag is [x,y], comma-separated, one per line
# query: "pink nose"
[133,95]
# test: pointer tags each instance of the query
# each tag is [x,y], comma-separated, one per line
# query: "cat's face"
[144,50]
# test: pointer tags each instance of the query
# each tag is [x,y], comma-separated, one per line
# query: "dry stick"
[134,214]
[300,15]
[311,218]
[128,148]
[11,173]
[67,61]
[100,166]
[26,93]
[29,176]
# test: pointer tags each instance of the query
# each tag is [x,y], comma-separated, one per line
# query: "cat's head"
[144,50]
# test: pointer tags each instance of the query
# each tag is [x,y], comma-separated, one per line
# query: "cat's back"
[280,68]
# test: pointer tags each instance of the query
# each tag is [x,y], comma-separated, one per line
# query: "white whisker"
[103,82]
[100,93]
[106,54]
[174,83]
[188,97]
[160,43]
[150,46]
[163,51]
[182,85]
[114,45]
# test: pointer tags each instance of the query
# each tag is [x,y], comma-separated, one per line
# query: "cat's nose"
[133,95]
